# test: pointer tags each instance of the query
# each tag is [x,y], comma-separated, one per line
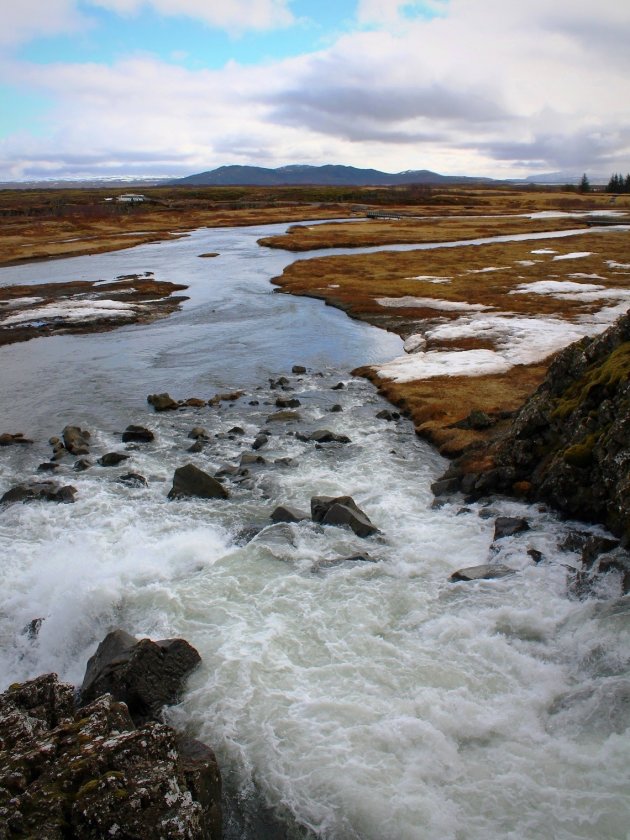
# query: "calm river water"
[360,700]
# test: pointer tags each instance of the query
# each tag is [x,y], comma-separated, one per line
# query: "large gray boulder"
[342,511]
[189,480]
[143,674]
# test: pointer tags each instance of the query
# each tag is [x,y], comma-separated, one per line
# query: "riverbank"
[480,321]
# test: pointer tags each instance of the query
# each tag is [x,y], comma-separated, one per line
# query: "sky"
[167,88]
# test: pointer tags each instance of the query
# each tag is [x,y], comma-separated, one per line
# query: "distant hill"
[328,175]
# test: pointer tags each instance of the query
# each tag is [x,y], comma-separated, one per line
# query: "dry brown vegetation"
[355,283]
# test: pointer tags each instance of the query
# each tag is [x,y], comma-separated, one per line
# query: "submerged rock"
[45,491]
[7,439]
[284,417]
[484,572]
[189,480]
[508,526]
[132,480]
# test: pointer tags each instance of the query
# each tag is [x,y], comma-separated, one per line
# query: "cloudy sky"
[503,88]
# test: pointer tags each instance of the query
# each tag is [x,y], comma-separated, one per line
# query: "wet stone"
[485,571]
[137,434]
[508,526]
[112,459]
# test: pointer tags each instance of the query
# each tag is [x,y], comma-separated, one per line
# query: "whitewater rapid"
[362,700]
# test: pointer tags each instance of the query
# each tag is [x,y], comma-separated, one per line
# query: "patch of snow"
[23,301]
[527,262]
[518,340]
[574,255]
[614,264]
[431,303]
[334,286]
[568,290]
[71,311]
[544,251]
[581,275]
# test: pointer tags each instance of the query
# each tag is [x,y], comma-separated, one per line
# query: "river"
[356,699]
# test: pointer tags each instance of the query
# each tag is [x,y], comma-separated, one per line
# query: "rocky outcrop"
[569,445]
[90,773]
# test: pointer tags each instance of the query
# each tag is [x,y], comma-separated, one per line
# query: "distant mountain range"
[329,175]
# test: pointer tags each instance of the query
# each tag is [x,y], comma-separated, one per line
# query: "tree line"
[618,184]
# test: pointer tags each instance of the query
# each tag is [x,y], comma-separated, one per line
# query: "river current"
[346,699]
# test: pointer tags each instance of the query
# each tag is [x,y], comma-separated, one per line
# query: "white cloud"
[488,88]
[21,20]
[225,14]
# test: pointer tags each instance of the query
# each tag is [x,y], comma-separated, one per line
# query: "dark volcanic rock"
[112,459]
[143,674]
[569,445]
[89,774]
[137,434]
[507,526]
[341,510]
[46,491]
[189,480]
[162,402]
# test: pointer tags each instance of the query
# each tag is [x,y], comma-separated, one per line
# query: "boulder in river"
[189,480]
[284,417]
[286,513]
[81,465]
[76,440]
[46,491]
[343,511]
[132,480]
[326,436]
[112,459]
[137,434]
[230,396]
[198,432]
[298,369]
[288,402]
[260,441]
[162,402]
[145,675]
[486,571]
[7,439]
[508,526]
